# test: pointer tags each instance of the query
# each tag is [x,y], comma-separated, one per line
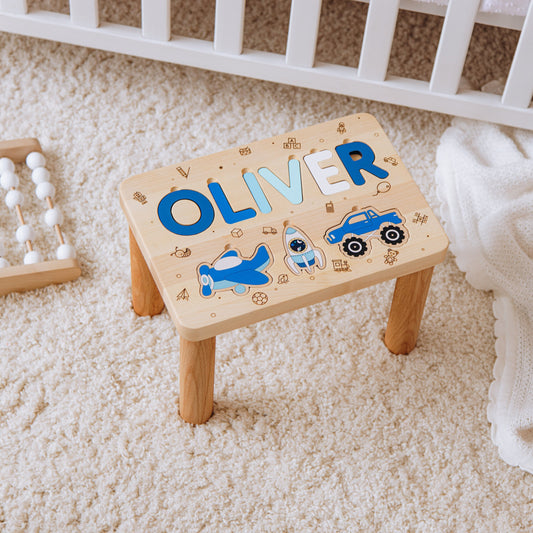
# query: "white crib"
[298,66]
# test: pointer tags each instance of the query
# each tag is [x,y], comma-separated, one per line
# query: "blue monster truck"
[366,223]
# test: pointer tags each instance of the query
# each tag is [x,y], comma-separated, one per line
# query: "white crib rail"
[14,6]
[453,45]
[84,13]
[155,19]
[229,26]
[377,40]
[519,86]
[303,33]
[298,66]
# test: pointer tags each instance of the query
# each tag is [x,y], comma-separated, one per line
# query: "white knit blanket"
[485,182]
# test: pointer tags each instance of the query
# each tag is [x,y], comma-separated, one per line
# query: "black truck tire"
[392,234]
[354,246]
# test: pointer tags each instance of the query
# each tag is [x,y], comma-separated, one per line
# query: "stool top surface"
[257,230]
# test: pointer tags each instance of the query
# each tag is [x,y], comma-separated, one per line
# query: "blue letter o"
[164,212]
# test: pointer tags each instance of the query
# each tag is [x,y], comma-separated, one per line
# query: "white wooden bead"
[8,180]
[13,198]
[3,263]
[6,164]
[53,216]
[66,251]
[35,159]
[32,257]
[45,189]
[39,175]
[25,233]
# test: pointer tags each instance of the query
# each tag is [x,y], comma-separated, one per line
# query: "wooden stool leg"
[406,311]
[197,378]
[144,292]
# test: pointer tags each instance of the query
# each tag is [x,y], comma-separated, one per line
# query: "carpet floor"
[327,431]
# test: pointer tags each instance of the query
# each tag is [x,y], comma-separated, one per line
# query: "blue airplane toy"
[230,271]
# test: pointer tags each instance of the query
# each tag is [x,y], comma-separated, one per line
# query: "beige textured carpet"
[322,430]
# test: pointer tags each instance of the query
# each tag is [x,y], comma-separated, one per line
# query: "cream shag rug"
[320,431]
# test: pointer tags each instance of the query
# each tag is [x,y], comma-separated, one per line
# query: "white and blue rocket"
[301,252]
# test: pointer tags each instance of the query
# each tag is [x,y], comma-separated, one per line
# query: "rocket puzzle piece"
[301,252]
[231,271]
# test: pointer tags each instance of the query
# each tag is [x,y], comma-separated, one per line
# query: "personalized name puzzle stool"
[229,239]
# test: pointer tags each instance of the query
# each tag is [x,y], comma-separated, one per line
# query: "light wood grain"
[28,277]
[406,311]
[18,149]
[197,377]
[174,260]
[145,295]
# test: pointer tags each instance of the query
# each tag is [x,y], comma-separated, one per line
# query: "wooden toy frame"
[19,278]
[224,241]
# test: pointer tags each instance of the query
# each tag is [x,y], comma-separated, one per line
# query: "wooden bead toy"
[35,272]
[35,160]
[229,239]
[39,175]
[9,180]
[3,262]
[6,165]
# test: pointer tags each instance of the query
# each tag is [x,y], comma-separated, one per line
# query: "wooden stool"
[230,239]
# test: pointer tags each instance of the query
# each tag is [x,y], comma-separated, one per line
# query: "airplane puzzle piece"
[231,271]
